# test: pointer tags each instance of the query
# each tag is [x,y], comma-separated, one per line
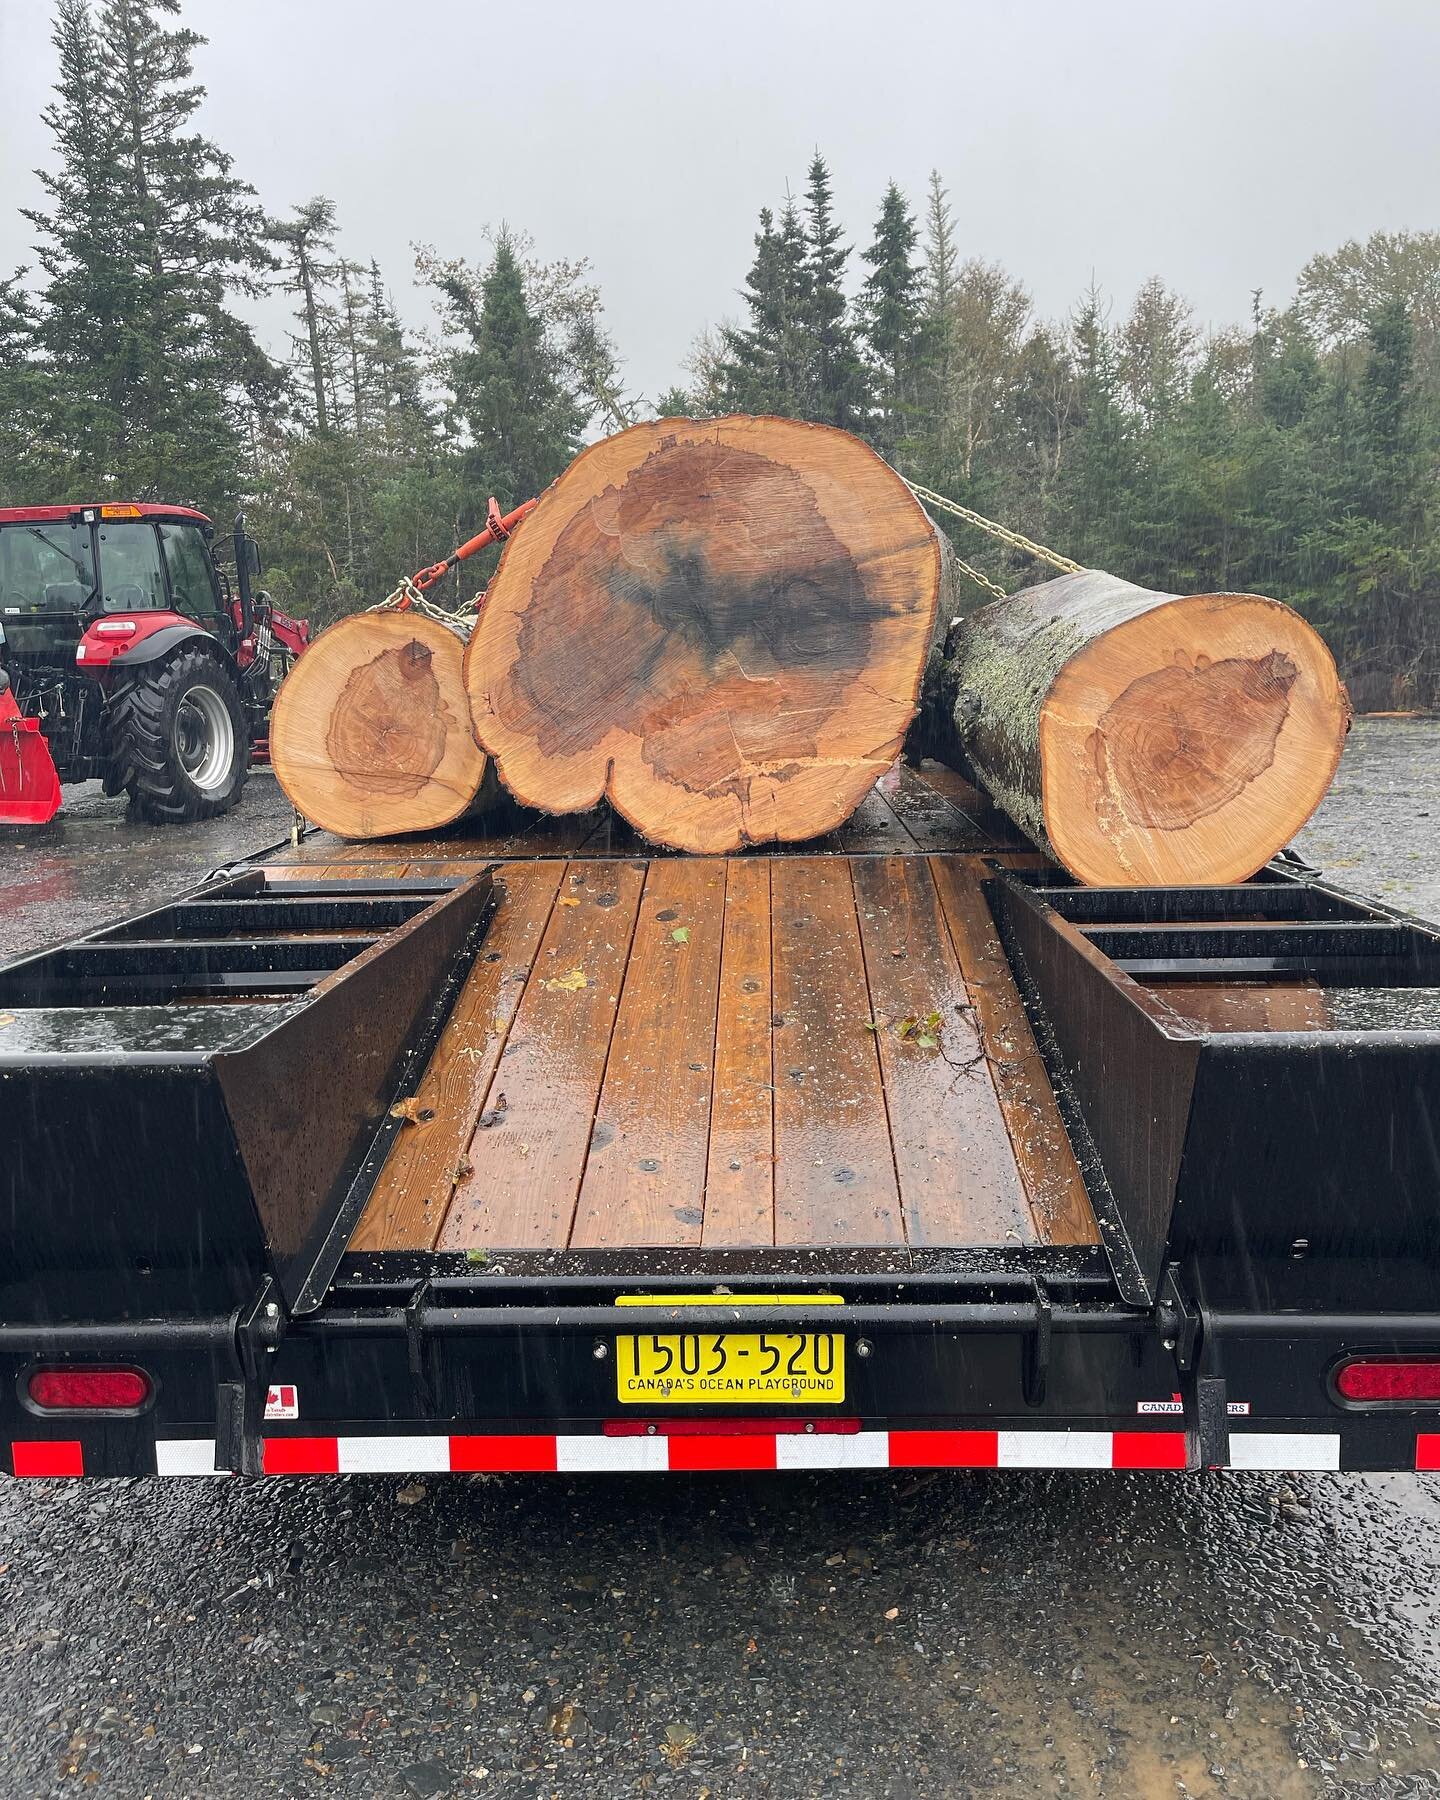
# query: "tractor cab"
[63,571]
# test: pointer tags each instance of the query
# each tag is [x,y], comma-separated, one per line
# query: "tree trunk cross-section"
[1141,738]
[721,625]
[371,730]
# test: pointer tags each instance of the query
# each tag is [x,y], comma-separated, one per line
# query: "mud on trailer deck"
[538,1150]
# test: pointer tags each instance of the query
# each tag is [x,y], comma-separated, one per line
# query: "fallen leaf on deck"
[681,934]
[410,1111]
[568,900]
[569,983]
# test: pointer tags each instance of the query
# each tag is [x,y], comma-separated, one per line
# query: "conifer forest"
[1294,454]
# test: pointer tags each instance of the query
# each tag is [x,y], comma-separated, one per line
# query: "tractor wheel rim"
[205,738]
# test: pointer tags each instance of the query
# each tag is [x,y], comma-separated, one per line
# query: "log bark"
[721,625]
[1140,738]
[370,734]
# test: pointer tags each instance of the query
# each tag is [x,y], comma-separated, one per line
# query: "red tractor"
[127,654]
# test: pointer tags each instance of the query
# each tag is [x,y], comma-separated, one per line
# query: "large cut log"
[722,625]
[370,734]
[1136,737]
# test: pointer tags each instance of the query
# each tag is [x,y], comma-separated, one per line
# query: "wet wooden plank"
[959,1183]
[314,847]
[739,1180]
[834,1171]
[528,1155]
[380,871]
[874,828]
[645,1178]
[986,819]
[933,821]
[1058,1201]
[407,1206]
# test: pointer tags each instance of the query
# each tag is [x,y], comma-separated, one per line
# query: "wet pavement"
[1257,1637]
[95,861]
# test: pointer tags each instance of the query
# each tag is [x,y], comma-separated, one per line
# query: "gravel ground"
[955,1634]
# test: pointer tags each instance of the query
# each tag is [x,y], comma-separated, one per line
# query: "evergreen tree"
[89,315]
[935,350]
[199,236]
[308,269]
[1389,487]
[398,417]
[837,378]
[890,319]
[22,383]
[1100,472]
[750,353]
[147,235]
[1156,350]
[523,423]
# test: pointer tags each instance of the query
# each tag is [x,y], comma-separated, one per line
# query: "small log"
[722,625]
[1141,738]
[370,733]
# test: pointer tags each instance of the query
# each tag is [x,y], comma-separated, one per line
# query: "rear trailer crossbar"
[532,1386]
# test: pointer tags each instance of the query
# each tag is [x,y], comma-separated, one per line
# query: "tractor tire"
[179,739]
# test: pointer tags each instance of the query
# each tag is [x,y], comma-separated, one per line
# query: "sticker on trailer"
[283,1402]
[1236,1409]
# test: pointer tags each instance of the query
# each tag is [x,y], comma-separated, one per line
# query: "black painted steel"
[164,1159]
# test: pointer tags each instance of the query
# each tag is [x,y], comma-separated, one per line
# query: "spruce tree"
[750,353]
[523,423]
[89,314]
[890,319]
[1389,483]
[398,414]
[1099,475]
[837,379]
[308,270]
[23,381]
[147,235]
[935,351]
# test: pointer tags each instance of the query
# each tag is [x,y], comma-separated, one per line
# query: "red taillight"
[1415,1381]
[89,1390]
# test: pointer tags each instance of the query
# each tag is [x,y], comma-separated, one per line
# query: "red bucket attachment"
[29,786]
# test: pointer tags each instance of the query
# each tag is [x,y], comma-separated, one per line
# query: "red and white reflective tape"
[600,1454]
[694,1447]
[1285,1450]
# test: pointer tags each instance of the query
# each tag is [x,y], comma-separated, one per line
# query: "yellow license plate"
[730,1368]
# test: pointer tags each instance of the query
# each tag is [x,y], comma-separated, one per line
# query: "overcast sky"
[1218,145]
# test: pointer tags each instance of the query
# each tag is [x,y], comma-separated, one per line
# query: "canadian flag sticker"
[283,1402]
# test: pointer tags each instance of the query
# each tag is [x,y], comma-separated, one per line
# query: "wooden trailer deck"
[817,1046]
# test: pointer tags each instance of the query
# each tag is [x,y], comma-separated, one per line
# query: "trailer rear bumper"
[758,1446]
[1001,1384]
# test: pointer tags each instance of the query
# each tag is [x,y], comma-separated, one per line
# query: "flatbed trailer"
[532,1149]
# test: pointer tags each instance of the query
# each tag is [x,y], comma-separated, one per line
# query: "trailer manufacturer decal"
[283,1402]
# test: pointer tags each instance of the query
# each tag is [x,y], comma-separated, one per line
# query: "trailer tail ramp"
[894,1150]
